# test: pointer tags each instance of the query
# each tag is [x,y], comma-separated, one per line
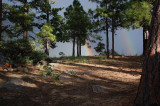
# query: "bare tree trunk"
[107,40]
[145,39]
[112,37]
[77,47]
[149,88]
[0,20]
[25,33]
[47,41]
[47,47]
[74,41]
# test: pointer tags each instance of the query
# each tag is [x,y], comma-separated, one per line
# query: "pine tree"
[46,34]
[48,14]
[135,18]
[20,17]
[77,30]
[148,92]
[110,16]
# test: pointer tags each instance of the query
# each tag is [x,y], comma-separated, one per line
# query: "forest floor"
[107,82]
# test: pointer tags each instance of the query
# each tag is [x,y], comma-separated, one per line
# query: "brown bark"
[0,20]
[47,47]
[47,41]
[73,52]
[149,88]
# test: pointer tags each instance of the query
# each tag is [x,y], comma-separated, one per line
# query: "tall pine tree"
[77,25]
[148,92]
[111,17]
[20,17]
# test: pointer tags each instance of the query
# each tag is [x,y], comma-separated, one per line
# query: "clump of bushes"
[21,51]
[36,56]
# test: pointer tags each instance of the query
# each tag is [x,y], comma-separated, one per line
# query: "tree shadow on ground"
[77,93]
[124,62]
[106,69]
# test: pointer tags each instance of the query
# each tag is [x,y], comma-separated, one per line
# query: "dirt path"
[96,83]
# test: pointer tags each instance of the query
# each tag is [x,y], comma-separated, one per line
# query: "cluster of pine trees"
[21,18]
[77,25]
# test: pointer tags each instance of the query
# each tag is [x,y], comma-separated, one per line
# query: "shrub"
[36,56]
[15,50]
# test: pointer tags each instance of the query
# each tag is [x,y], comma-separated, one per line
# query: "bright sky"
[127,42]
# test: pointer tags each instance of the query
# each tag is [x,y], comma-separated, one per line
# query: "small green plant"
[54,60]
[70,61]
[55,76]
[100,58]
[44,73]
[48,70]
[71,72]
[84,60]
[37,56]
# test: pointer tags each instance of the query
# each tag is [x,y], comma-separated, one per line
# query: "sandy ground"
[107,82]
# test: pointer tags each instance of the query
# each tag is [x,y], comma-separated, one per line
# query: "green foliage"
[49,72]
[46,33]
[57,22]
[21,17]
[55,76]
[81,60]
[77,29]
[78,59]
[137,14]
[100,58]
[71,72]
[17,49]
[100,47]
[61,54]
[36,56]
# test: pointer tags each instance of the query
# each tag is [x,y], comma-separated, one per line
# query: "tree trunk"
[77,47]
[47,41]
[112,37]
[107,40]
[145,39]
[80,48]
[47,47]
[149,88]
[74,41]
[25,33]
[0,20]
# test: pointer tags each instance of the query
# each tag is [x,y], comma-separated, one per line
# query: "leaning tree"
[149,88]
